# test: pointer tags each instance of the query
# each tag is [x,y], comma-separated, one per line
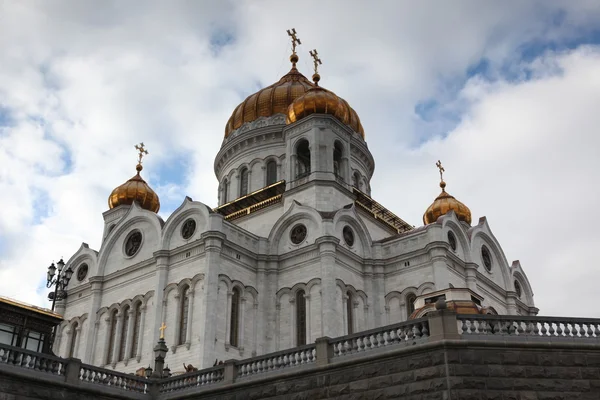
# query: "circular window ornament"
[298,234]
[188,228]
[133,243]
[82,272]
[348,236]
[452,240]
[518,289]
[487,258]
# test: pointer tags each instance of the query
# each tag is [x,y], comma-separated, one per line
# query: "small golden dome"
[444,203]
[273,99]
[135,189]
[322,101]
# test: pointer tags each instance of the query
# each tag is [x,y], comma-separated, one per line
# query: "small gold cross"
[442,170]
[317,60]
[142,151]
[295,39]
[162,330]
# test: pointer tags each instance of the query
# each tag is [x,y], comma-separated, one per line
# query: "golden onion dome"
[136,189]
[318,100]
[273,99]
[444,203]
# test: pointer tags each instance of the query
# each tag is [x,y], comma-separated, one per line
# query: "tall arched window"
[73,339]
[183,314]
[137,316]
[225,187]
[271,172]
[300,318]
[349,312]
[356,179]
[337,159]
[235,318]
[410,304]
[303,159]
[111,340]
[243,182]
[124,327]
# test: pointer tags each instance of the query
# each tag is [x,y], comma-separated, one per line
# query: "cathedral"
[296,249]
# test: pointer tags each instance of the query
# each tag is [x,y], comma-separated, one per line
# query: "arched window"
[303,159]
[235,317]
[225,187]
[337,159]
[111,340]
[356,179]
[518,289]
[300,318]
[271,172]
[137,316]
[73,340]
[124,327]
[183,314]
[349,312]
[243,182]
[410,304]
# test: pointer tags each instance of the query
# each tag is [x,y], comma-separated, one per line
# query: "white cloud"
[82,84]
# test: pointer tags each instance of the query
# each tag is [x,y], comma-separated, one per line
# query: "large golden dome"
[322,101]
[444,203]
[135,189]
[269,101]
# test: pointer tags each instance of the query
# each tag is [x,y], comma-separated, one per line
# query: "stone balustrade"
[32,360]
[194,379]
[118,380]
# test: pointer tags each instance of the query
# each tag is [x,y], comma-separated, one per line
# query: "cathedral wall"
[126,287]
[117,260]
[299,274]
[409,277]
[261,222]
[455,278]
[77,306]
[349,277]
[323,197]
[186,269]
[375,230]
[240,237]
[236,272]
[176,239]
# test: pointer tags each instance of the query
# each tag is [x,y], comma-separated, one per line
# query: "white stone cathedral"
[297,248]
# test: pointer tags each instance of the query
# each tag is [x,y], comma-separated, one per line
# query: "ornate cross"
[295,40]
[162,330]
[442,170]
[142,151]
[317,60]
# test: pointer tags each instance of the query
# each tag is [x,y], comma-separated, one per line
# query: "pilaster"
[162,273]
[95,299]
[330,318]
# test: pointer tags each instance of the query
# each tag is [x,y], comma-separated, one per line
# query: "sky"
[506,94]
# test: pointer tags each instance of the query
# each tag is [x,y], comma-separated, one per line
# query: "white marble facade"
[251,267]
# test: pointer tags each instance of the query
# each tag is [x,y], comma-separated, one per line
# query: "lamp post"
[59,281]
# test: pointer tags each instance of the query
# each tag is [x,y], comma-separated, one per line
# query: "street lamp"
[59,281]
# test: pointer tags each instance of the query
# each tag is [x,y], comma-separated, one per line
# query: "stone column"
[93,338]
[138,356]
[293,322]
[105,356]
[177,330]
[278,325]
[241,324]
[213,242]
[77,339]
[511,303]
[439,268]
[379,294]
[368,285]
[471,276]
[255,339]
[162,273]
[330,318]
[308,331]
[117,343]
[95,299]
[129,338]
[293,167]
[190,316]
[228,320]
[345,168]
[261,314]
[345,313]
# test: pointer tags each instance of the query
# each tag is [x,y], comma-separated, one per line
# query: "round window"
[518,289]
[133,243]
[452,240]
[348,236]
[298,234]
[188,228]
[82,272]
[486,257]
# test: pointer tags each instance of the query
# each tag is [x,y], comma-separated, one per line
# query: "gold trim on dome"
[444,203]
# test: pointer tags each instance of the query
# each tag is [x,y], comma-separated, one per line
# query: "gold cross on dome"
[295,40]
[442,170]
[162,330]
[317,60]
[142,151]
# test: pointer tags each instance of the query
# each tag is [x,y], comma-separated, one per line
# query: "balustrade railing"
[200,378]
[102,376]
[276,361]
[509,325]
[409,332]
[32,360]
